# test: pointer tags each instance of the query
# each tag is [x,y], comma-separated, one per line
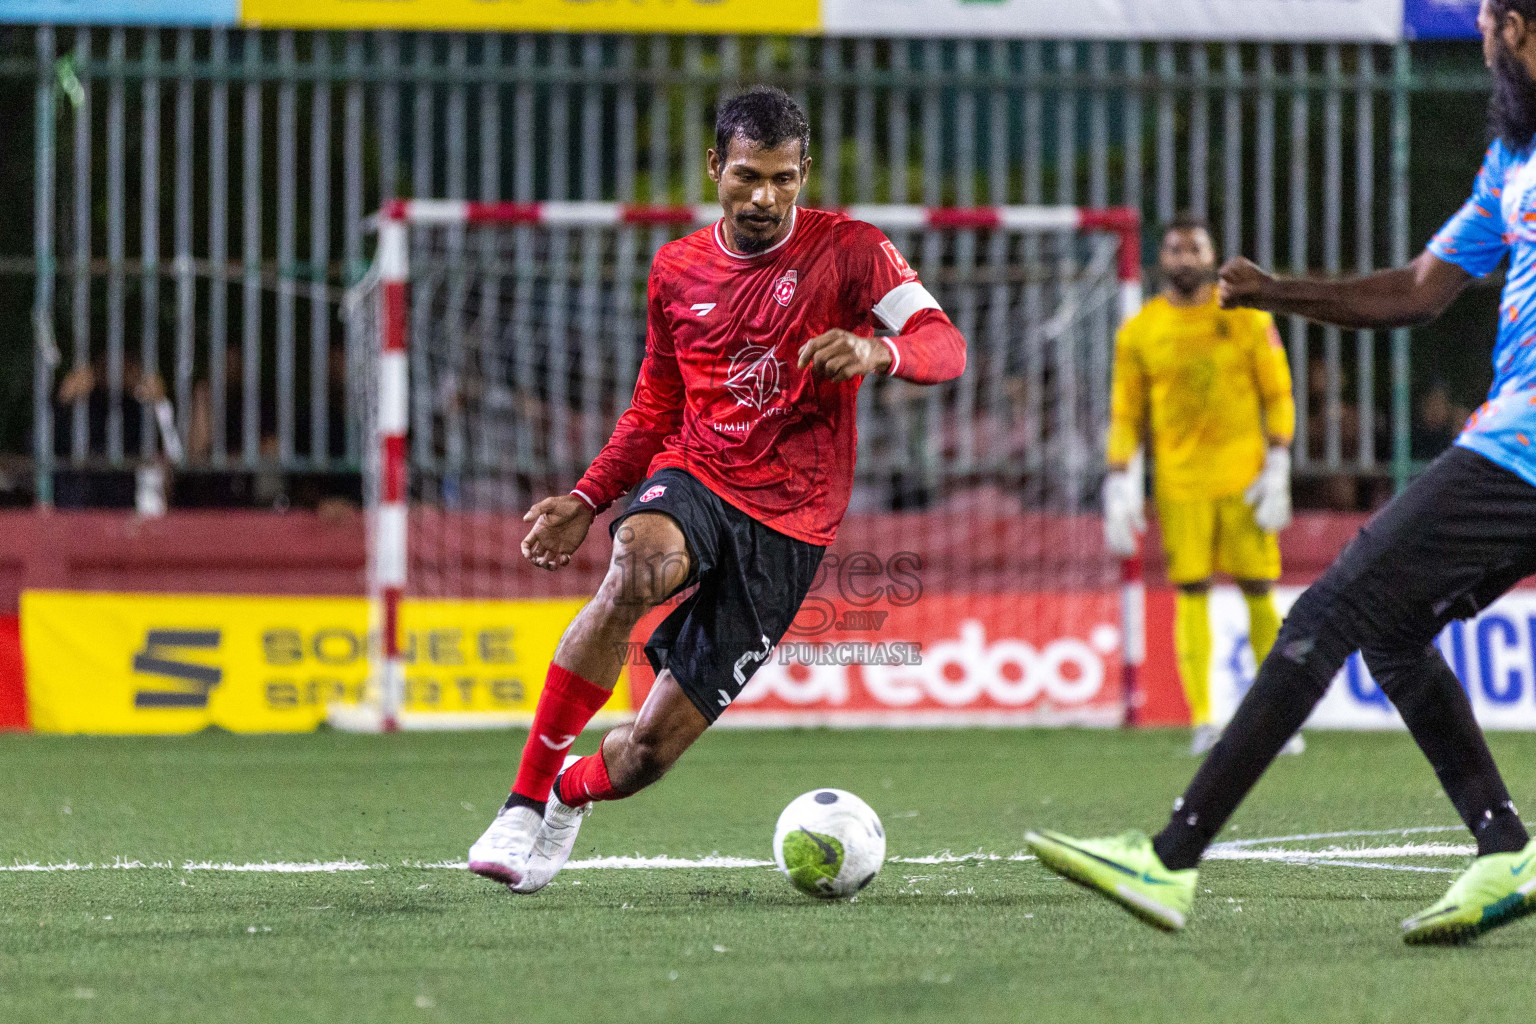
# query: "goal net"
[498,345]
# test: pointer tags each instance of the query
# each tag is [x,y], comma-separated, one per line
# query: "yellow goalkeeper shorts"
[1211,535]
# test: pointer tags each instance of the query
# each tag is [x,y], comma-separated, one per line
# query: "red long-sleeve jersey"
[719,393]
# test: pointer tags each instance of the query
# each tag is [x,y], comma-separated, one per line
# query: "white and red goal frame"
[387,562]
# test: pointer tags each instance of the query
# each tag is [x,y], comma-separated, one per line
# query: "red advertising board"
[1023,658]
[13,689]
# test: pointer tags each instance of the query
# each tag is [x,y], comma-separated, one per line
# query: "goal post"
[498,342]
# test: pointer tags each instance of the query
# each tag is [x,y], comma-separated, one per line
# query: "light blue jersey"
[1501,218]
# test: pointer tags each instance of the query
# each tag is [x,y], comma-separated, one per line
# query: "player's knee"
[639,579]
[1254,588]
[1398,666]
[1316,635]
[623,600]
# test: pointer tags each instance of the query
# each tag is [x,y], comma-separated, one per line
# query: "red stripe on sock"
[587,780]
[566,705]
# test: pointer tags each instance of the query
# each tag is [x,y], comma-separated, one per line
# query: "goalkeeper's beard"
[1186,284]
[1512,103]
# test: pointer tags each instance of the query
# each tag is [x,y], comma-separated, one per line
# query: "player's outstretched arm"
[560,524]
[1403,297]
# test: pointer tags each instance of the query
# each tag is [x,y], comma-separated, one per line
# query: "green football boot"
[1126,869]
[1495,890]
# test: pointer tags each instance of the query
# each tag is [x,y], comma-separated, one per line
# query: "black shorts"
[751,581]
[1457,538]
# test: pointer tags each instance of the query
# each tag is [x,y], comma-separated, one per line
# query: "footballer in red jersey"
[741,437]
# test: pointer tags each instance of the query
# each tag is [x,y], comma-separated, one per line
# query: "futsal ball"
[829,843]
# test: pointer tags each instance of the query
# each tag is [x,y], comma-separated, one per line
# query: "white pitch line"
[1349,857]
[1339,856]
[619,863]
[960,858]
[1416,868]
[249,867]
[1352,834]
[1346,852]
[1345,857]
[1266,849]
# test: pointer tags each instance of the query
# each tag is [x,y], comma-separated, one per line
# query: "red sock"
[587,780]
[565,707]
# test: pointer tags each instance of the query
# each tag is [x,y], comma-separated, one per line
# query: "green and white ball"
[829,843]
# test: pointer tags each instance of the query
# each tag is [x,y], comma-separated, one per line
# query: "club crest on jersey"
[753,379]
[652,493]
[897,259]
[784,287]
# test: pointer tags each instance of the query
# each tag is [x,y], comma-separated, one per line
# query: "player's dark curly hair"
[1512,102]
[764,116]
[1525,8]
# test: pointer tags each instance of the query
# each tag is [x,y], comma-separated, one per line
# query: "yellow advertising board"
[752,16]
[155,664]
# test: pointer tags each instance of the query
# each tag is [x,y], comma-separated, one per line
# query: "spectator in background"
[200,440]
[245,484]
[1436,422]
[333,492]
[88,384]
[1347,488]
[266,483]
[95,484]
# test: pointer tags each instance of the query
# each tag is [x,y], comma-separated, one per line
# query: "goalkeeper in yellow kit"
[1213,390]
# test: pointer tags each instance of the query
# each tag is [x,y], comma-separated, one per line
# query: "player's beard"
[1187,282]
[752,244]
[1512,104]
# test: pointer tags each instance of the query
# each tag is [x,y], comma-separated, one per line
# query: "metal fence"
[200,194]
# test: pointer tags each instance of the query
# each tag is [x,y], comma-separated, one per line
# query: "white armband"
[902,302]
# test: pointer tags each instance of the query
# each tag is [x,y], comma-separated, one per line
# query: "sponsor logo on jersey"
[753,378]
[784,288]
[702,308]
[652,493]
[894,255]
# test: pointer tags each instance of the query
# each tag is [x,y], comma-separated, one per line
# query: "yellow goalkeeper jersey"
[1214,387]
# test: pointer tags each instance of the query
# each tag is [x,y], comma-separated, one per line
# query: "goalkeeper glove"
[1124,515]
[1270,492]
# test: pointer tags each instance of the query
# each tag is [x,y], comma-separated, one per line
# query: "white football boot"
[501,854]
[1203,739]
[555,839]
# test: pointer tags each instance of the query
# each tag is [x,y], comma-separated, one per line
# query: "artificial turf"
[991,940]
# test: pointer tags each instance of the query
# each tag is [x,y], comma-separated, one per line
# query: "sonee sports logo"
[652,493]
[784,288]
[195,680]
